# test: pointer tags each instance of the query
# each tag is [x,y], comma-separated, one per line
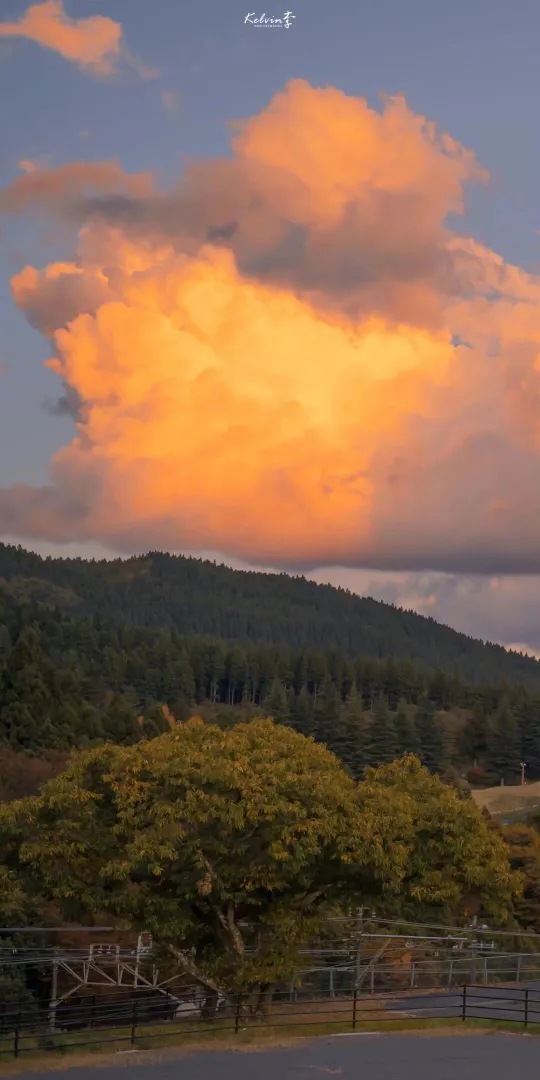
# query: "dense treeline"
[69,681]
[195,597]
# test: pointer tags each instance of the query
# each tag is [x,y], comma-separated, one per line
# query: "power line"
[58,929]
[438,926]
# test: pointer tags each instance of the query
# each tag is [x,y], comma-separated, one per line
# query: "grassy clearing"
[506,800]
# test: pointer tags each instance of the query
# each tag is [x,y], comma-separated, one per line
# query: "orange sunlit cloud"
[290,358]
[94,43]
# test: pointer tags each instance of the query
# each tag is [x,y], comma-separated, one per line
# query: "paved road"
[483,1002]
[361,1057]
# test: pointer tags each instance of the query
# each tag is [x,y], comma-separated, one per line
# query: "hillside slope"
[199,597]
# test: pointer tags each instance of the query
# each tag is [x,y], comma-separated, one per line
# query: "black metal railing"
[145,1021]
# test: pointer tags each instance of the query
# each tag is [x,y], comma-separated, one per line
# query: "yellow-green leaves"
[219,840]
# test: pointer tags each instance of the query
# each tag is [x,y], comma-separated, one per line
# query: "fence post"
[526,1006]
[464,1009]
[450,973]
[16,1035]
[237,1014]
[413,972]
[355,1001]
[133,1023]
[518,968]
[93,1011]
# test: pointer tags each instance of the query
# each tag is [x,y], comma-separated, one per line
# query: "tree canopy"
[217,840]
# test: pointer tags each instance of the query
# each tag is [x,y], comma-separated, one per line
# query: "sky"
[271,293]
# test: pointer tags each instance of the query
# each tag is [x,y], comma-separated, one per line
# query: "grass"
[284,1026]
[508,799]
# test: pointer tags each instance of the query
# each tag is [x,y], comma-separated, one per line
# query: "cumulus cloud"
[289,357]
[327,197]
[95,43]
[54,190]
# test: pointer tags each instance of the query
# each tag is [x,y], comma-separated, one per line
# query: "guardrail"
[139,1022]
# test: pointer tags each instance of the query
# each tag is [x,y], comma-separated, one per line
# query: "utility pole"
[54,996]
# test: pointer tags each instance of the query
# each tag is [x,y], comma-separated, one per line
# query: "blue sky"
[471,67]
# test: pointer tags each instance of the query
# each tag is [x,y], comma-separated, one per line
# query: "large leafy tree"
[217,840]
[200,833]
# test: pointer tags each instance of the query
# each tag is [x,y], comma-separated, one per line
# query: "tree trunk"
[210,1005]
[264,999]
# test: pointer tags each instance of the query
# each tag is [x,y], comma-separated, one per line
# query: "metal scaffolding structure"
[109,965]
[368,953]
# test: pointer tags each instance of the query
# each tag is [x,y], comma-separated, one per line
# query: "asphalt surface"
[362,1057]
[487,1002]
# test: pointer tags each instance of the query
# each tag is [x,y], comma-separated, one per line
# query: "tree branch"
[229,924]
[190,967]
[310,899]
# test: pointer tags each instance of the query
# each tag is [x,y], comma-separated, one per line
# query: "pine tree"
[120,722]
[356,734]
[303,713]
[328,714]
[528,722]
[276,703]
[504,756]
[473,739]
[154,721]
[432,752]
[382,747]
[41,706]
[406,735]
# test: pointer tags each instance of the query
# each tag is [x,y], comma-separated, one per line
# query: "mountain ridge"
[199,596]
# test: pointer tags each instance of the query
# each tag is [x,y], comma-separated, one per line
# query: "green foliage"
[217,839]
[193,833]
[382,735]
[453,858]
[407,741]
[430,740]
[524,851]
[77,675]
[39,703]
[504,748]
[193,597]
[276,703]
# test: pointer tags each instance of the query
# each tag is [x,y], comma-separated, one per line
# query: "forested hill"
[197,597]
